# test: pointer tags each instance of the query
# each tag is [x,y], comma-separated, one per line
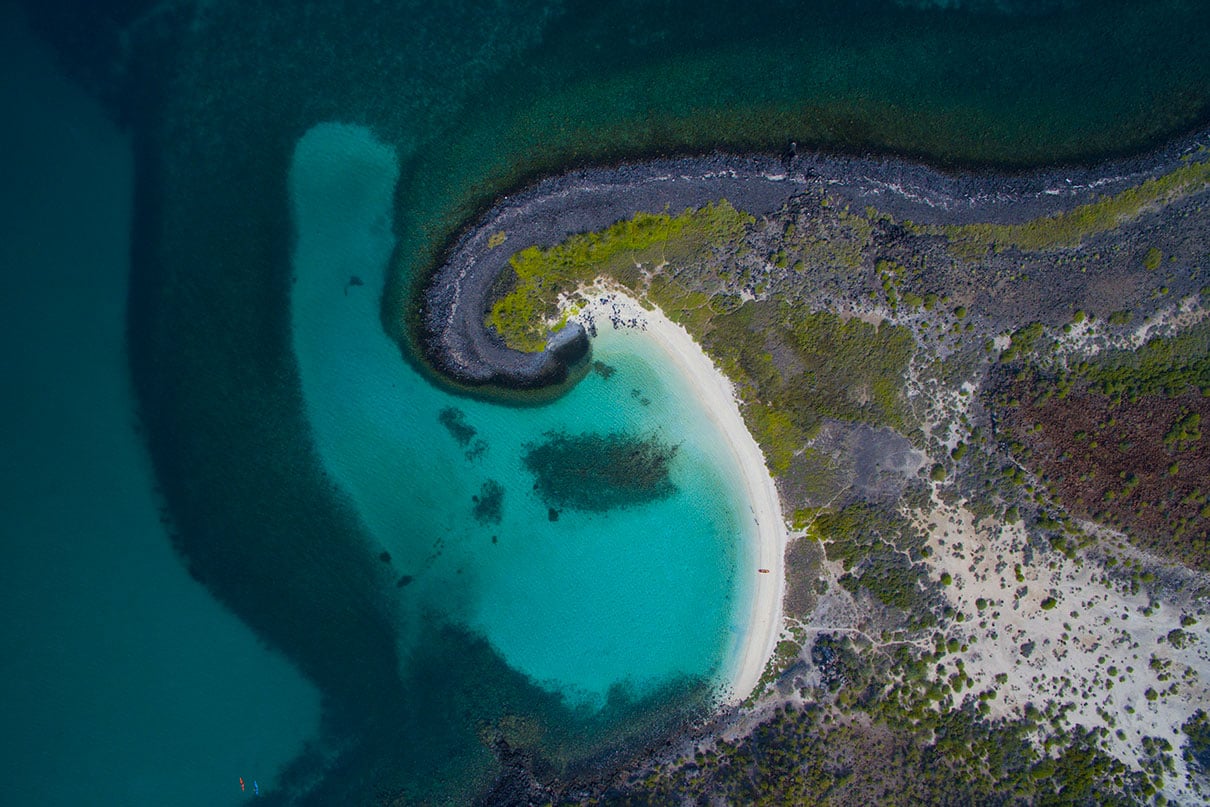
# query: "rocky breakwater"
[460,346]
[455,300]
[457,296]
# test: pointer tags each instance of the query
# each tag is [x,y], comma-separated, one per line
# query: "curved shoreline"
[766,533]
[455,297]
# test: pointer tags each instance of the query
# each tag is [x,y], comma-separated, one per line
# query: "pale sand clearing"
[1098,651]
[768,533]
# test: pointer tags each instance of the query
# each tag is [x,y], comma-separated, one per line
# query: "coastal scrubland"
[539,277]
[988,440]
[1117,439]
[1070,228]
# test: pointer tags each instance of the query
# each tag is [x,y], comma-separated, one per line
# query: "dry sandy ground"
[1099,648]
[768,534]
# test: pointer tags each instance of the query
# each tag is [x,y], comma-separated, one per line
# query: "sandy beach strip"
[767,531]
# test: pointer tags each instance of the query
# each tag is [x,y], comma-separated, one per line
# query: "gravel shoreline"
[455,298]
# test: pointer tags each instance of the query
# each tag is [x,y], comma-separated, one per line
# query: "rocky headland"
[459,292]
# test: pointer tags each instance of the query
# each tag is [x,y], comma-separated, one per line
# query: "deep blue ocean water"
[292,442]
[124,682]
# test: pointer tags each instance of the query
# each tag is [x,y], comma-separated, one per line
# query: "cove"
[586,604]
[263,518]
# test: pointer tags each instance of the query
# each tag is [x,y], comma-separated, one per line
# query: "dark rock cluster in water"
[599,472]
[454,421]
[489,503]
[604,370]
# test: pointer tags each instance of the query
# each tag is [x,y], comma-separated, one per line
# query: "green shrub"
[1185,429]
[1070,228]
[1023,341]
[541,275]
[1179,638]
[777,435]
[1197,746]
[1162,366]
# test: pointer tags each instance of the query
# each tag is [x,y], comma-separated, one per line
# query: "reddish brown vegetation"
[1117,462]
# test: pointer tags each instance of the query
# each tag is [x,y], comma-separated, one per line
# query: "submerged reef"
[599,472]
[489,503]
[454,421]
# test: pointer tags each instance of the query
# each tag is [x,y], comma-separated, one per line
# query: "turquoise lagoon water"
[636,597]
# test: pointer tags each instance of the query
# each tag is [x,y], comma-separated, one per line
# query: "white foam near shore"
[767,536]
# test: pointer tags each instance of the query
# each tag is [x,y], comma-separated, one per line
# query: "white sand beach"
[768,534]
